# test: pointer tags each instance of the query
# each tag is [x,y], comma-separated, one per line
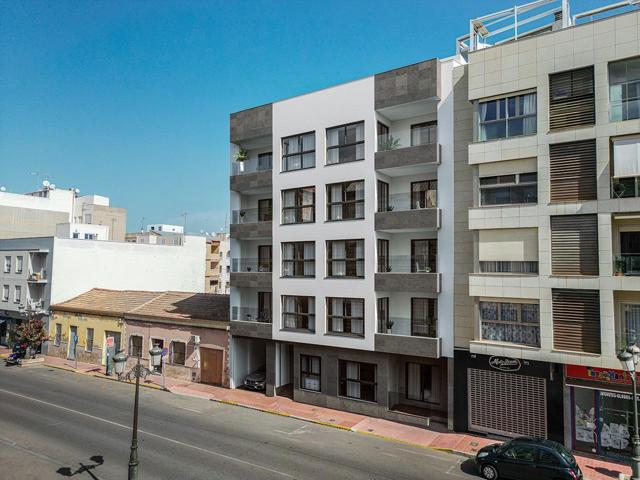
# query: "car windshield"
[566,455]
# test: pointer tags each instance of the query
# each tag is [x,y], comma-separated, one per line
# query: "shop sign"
[606,375]
[505,364]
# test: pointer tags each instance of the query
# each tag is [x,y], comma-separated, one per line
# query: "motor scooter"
[18,352]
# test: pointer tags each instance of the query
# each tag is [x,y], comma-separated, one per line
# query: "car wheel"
[489,472]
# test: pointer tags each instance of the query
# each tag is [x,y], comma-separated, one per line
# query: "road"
[58,424]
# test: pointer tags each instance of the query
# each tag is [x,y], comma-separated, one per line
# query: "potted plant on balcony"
[618,189]
[389,326]
[389,143]
[620,267]
[390,208]
[240,157]
[241,215]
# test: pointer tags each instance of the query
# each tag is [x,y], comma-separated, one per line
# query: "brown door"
[211,366]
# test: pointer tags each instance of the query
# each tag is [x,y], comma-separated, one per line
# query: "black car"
[527,458]
[256,380]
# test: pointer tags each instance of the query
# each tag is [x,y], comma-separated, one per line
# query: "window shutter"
[576,320]
[574,245]
[573,172]
[572,99]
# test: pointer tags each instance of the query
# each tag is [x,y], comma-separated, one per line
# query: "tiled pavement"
[594,469]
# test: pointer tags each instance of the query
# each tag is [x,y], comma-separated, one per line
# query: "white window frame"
[17,293]
[7,264]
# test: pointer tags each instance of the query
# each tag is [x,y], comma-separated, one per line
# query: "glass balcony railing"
[627,264]
[409,327]
[250,314]
[397,139]
[251,165]
[251,215]
[250,265]
[406,264]
[409,201]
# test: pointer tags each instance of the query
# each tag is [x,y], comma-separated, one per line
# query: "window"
[507,117]
[299,152]
[383,196]
[87,218]
[424,255]
[629,325]
[5,293]
[345,201]
[626,167]
[345,143]
[135,346]
[178,350]
[522,453]
[423,194]
[384,140]
[424,133]
[264,307]
[576,320]
[345,258]
[17,294]
[265,210]
[510,322]
[573,174]
[345,315]
[423,317]
[19,264]
[358,380]
[265,161]
[509,189]
[383,256]
[7,264]
[572,99]
[508,266]
[299,259]
[88,346]
[423,382]
[298,205]
[265,254]
[77,235]
[299,313]
[574,245]
[310,373]
[90,236]
[624,89]
[58,338]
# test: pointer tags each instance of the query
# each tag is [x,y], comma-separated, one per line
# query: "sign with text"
[607,375]
[505,364]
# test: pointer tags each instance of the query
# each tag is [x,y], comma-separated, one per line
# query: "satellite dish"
[76,190]
[45,183]
[52,186]
[3,189]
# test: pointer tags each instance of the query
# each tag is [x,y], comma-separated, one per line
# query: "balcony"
[251,174]
[251,322]
[39,277]
[251,273]
[408,152]
[407,273]
[406,336]
[251,223]
[408,212]
[251,123]
[403,92]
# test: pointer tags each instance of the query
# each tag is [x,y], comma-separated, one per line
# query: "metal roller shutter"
[573,173]
[507,403]
[574,245]
[576,320]
[571,99]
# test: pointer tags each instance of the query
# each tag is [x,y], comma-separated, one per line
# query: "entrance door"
[211,366]
[160,343]
[71,350]
[3,332]
[115,348]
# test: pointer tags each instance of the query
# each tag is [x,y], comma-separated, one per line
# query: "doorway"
[73,335]
[211,361]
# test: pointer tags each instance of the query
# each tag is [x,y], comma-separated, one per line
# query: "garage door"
[211,366]
[506,403]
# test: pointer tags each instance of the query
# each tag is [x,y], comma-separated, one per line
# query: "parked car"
[527,458]
[256,380]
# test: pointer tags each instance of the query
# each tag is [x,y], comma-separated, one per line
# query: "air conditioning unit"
[195,339]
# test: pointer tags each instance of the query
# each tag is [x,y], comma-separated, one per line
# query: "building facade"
[218,264]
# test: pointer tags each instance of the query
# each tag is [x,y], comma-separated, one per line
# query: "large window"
[299,259]
[19,264]
[345,201]
[135,346]
[299,313]
[424,194]
[345,258]
[572,99]
[626,167]
[509,189]
[178,350]
[7,264]
[423,382]
[424,318]
[17,294]
[299,152]
[424,133]
[345,143]
[510,322]
[345,316]
[624,89]
[310,373]
[507,117]
[298,205]
[358,380]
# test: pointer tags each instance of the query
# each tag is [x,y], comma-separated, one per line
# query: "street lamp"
[138,371]
[629,360]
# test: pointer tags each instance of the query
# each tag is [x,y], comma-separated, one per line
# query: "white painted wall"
[56,201]
[67,230]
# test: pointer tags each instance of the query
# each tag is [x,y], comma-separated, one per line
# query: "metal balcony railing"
[409,201]
[251,265]
[251,165]
[251,215]
[409,327]
[406,264]
[250,314]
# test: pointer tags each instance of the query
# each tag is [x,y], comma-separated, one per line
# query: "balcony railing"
[627,264]
[625,187]
[250,265]
[251,215]
[519,333]
[406,264]
[398,139]
[251,165]
[495,266]
[37,276]
[250,314]
[409,201]
[423,327]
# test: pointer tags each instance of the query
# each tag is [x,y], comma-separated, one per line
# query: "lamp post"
[629,359]
[137,372]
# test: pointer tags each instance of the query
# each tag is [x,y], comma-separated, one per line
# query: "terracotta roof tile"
[183,307]
[106,302]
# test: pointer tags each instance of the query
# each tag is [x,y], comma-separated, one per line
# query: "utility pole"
[184,224]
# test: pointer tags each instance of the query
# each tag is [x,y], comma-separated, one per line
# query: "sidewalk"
[594,469]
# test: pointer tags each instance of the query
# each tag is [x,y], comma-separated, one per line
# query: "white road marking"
[170,440]
[298,431]
[189,409]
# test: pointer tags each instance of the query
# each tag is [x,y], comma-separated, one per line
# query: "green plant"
[388,143]
[241,156]
[390,208]
[620,265]
[389,324]
[33,333]
[618,189]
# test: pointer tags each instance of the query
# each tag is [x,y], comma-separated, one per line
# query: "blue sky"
[131,99]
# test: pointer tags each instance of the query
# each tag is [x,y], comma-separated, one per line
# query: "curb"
[72,370]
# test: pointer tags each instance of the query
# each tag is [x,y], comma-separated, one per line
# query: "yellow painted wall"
[100,324]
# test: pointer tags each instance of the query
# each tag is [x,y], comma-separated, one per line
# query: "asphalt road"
[56,424]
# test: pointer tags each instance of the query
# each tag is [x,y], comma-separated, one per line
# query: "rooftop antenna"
[184,225]
[142,224]
[226,219]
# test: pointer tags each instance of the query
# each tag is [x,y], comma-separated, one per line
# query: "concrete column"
[271,365]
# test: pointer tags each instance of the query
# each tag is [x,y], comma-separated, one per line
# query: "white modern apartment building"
[342,244]
[549,122]
[39,272]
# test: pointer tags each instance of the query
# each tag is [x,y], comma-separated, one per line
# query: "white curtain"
[307,199]
[338,267]
[482,116]
[336,196]
[631,322]
[333,137]
[530,108]
[289,200]
[360,254]
[360,196]
[287,254]
[357,310]
[353,388]
[337,308]
[309,254]
[312,313]
[289,306]
[360,132]
[626,157]
[309,142]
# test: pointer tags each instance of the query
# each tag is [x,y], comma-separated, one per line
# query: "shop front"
[601,411]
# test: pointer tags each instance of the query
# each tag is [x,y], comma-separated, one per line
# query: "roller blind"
[576,320]
[574,245]
[573,171]
[513,244]
[626,157]
[572,99]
